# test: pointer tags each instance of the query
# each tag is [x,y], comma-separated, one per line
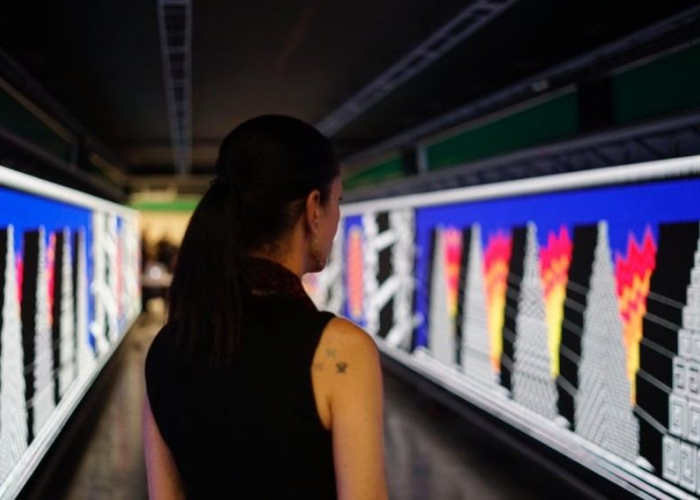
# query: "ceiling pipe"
[468,22]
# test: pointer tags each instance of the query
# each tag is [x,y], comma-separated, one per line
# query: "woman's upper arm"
[357,412]
[164,480]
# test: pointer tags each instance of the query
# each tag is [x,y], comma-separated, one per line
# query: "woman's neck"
[289,253]
[290,261]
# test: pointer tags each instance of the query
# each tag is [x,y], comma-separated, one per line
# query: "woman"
[252,392]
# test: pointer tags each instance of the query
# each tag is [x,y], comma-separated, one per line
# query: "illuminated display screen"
[70,289]
[568,306]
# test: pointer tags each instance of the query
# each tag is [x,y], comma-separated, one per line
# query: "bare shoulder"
[345,344]
[344,332]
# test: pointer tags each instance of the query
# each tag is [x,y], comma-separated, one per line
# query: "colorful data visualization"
[69,288]
[576,304]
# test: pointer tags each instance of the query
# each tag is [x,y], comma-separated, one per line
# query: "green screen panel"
[20,121]
[391,169]
[660,87]
[179,205]
[554,119]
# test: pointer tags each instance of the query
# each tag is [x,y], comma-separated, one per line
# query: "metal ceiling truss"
[670,138]
[605,58]
[477,15]
[175,28]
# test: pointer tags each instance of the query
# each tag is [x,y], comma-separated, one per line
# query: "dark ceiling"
[102,61]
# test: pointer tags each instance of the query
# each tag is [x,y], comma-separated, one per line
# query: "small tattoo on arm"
[330,353]
[341,366]
[318,366]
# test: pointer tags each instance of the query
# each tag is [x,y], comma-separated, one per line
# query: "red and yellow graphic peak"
[555,259]
[355,270]
[452,247]
[633,275]
[496,258]
[50,273]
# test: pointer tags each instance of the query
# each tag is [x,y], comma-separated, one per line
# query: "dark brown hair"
[266,168]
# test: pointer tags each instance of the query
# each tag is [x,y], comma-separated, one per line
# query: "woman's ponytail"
[205,295]
[266,167]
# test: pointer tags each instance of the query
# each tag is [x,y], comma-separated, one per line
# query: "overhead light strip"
[175,28]
[466,23]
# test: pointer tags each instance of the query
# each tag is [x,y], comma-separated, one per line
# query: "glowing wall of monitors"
[69,291]
[568,306]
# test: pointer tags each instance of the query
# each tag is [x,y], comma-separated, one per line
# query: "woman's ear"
[313,210]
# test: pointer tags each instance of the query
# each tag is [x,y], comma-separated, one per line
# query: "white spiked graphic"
[397,288]
[43,402]
[681,458]
[476,340]
[131,292]
[533,386]
[99,288]
[328,294]
[603,411]
[334,276]
[13,408]
[402,253]
[67,371]
[112,302]
[85,355]
[371,270]
[441,337]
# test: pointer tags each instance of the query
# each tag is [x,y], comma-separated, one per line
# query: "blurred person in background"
[251,391]
[166,252]
[145,249]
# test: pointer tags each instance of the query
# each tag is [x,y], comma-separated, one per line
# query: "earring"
[316,252]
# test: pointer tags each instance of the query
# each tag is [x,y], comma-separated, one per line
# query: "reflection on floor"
[112,465]
[431,453]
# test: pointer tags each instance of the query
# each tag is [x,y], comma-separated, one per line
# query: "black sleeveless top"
[254,431]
